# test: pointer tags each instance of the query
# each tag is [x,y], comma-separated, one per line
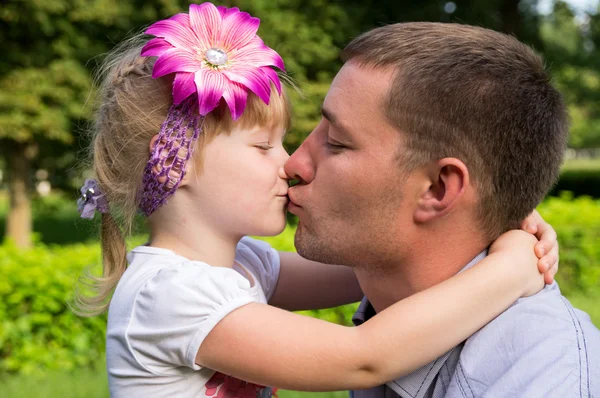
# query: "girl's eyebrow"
[258,130]
[271,132]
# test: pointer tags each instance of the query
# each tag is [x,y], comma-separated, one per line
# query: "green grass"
[78,384]
[297,394]
[93,384]
[582,164]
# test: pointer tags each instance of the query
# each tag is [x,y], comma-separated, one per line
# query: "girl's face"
[241,189]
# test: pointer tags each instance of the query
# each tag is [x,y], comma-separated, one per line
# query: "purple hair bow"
[91,199]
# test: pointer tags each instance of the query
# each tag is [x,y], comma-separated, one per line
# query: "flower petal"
[256,53]
[175,33]
[182,18]
[205,21]
[238,29]
[211,85]
[174,60]
[155,47]
[235,96]
[253,78]
[183,86]
[222,10]
[273,76]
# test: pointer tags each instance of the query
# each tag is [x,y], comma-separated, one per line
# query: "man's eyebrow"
[327,115]
[333,119]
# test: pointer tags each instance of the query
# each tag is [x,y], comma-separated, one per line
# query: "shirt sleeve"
[262,260]
[176,309]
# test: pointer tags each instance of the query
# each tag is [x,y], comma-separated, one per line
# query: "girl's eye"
[264,146]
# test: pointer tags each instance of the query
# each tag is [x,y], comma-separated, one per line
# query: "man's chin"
[305,243]
[311,247]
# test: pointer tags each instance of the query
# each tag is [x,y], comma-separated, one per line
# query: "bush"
[579,182]
[38,330]
[577,222]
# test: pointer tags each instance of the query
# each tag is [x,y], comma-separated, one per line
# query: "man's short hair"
[477,95]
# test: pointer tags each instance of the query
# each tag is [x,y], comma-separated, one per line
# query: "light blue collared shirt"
[540,347]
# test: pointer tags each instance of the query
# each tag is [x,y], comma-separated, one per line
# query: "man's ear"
[167,160]
[448,179]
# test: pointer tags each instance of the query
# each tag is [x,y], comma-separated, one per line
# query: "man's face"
[349,197]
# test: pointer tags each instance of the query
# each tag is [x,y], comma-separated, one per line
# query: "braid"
[136,66]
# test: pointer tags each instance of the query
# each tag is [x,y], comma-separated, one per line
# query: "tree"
[41,92]
[45,82]
[572,49]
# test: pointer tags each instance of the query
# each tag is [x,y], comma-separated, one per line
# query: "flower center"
[215,57]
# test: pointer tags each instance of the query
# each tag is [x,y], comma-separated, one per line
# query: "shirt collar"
[417,383]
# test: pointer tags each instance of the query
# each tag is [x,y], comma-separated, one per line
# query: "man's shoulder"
[539,341]
[546,320]
[548,312]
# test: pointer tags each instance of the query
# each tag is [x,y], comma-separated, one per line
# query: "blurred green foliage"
[39,331]
[580,177]
[50,50]
[577,222]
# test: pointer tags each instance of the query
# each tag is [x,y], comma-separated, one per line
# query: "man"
[435,139]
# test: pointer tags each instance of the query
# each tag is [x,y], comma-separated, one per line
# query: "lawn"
[93,384]
[582,164]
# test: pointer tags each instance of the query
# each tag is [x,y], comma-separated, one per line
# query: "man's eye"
[334,147]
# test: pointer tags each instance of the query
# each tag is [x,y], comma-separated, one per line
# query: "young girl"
[202,126]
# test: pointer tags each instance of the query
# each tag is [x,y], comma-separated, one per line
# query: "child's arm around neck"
[269,346]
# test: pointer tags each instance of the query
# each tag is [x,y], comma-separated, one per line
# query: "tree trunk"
[511,17]
[18,223]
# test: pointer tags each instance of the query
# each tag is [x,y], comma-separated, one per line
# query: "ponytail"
[114,264]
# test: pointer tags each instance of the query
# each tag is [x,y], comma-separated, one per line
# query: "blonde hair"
[131,109]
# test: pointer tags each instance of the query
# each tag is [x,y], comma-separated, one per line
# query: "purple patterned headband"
[215,55]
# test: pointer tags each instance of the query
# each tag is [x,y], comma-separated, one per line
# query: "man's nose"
[300,166]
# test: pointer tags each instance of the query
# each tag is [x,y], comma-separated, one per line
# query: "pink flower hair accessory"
[215,55]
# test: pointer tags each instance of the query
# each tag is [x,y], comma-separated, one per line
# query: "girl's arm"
[265,345]
[307,285]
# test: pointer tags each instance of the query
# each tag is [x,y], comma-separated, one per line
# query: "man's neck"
[422,268]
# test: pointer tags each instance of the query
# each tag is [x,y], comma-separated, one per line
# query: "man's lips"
[293,196]
[292,203]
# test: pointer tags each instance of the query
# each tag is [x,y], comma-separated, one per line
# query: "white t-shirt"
[163,308]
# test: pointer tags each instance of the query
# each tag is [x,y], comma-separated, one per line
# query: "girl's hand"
[547,247]
[519,246]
